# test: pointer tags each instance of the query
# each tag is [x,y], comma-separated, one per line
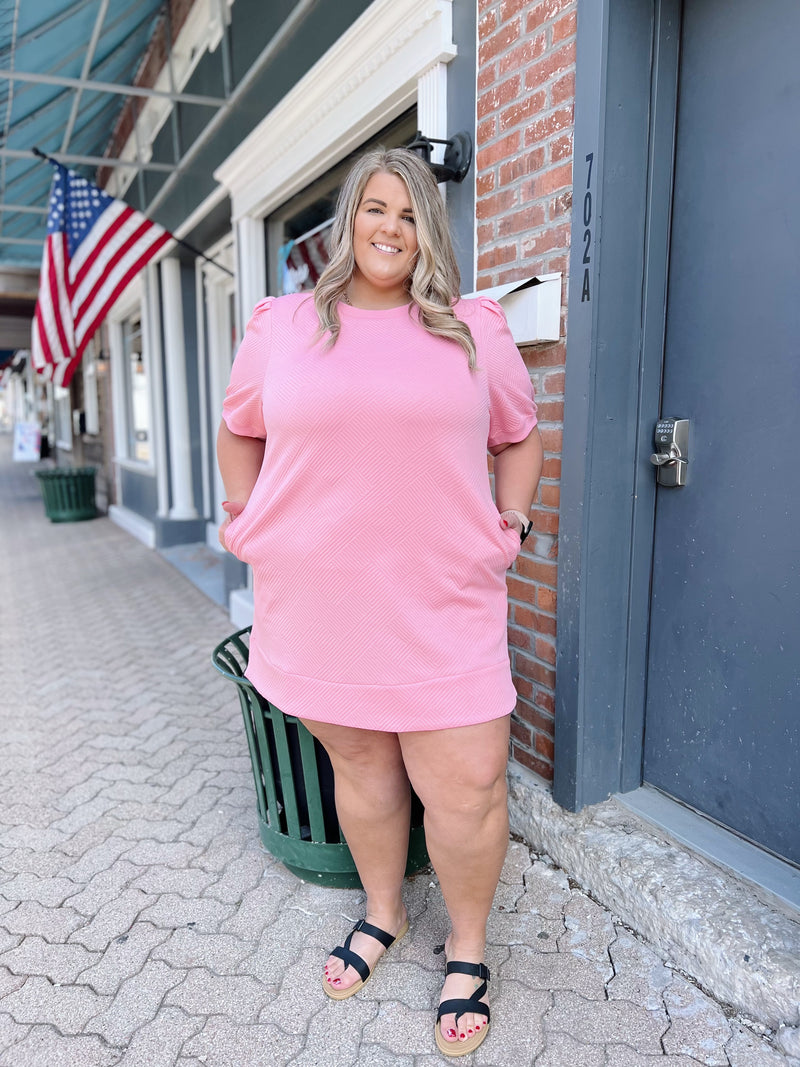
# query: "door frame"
[625,112]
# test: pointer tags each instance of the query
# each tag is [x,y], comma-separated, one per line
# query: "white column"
[177,399]
[251,274]
[151,308]
[432,107]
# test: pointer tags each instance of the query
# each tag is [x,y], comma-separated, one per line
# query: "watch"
[520,522]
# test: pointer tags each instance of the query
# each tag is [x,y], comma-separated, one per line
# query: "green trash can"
[68,493]
[294,785]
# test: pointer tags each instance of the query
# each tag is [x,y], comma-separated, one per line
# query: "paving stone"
[47,891]
[98,858]
[45,1047]
[258,908]
[397,1028]
[60,963]
[300,995]
[217,953]
[698,1027]
[67,1008]
[788,1040]
[547,891]
[105,887]
[589,931]
[78,794]
[93,834]
[625,1056]
[164,854]
[511,928]
[171,912]
[136,1003]
[563,1050]
[554,970]
[113,919]
[224,1044]
[124,957]
[53,924]
[158,1043]
[188,883]
[24,861]
[238,997]
[241,874]
[83,814]
[639,975]
[10,1034]
[600,1022]
[138,829]
[512,1002]
[9,981]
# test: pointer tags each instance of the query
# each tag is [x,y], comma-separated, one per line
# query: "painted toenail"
[451,1033]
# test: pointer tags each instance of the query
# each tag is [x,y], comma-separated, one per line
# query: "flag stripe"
[95,246]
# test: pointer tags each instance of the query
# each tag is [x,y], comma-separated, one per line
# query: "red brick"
[485,233]
[549,125]
[551,495]
[535,717]
[520,221]
[561,149]
[521,590]
[524,54]
[492,206]
[500,150]
[554,383]
[546,702]
[487,76]
[520,638]
[538,766]
[553,65]
[521,733]
[544,745]
[537,672]
[565,27]
[510,8]
[538,571]
[500,95]
[563,90]
[527,163]
[561,205]
[551,411]
[496,257]
[544,355]
[524,687]
[486,131]
[555,264]
[523,109]
[492,46]
[546,599]
[551,467]
[552,237]
[485,183]
[484,4]
[550,9]
[545,521]
[546,650]
[487,24]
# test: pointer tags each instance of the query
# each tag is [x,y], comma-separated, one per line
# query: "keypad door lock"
[671,457]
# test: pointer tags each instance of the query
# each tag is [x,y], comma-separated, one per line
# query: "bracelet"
[525,523]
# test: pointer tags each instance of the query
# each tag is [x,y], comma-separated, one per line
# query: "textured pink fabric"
[378,554]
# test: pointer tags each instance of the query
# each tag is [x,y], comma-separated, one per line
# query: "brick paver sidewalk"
[142,924]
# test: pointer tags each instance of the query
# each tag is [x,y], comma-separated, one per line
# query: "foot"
[341,977]
[458,987]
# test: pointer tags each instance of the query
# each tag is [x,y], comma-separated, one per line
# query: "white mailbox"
[532,307]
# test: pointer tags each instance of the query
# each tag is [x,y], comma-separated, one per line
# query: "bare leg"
[459,775]
[373,803]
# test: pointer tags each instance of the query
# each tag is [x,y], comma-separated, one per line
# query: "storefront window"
[138,396]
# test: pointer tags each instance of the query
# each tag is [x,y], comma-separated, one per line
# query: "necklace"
[346,299]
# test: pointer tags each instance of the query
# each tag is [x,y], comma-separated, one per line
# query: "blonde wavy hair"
[434,283]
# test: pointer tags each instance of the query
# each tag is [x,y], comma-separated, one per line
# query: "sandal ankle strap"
[477,970]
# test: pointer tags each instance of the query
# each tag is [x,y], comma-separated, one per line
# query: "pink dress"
[378,554]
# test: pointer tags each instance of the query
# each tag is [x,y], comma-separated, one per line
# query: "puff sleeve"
[512,408]
[242,408]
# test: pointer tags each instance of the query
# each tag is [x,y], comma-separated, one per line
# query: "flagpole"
[178,240]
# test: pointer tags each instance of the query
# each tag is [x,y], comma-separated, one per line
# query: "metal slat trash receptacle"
[294,785]
[68,493]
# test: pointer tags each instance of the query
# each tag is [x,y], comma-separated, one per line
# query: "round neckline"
[356,312]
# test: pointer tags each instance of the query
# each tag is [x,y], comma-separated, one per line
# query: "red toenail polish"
[470,1031]
[451,1033]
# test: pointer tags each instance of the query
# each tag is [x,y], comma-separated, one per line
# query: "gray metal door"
[722,722]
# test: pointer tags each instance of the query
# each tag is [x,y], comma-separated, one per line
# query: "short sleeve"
[512,408]
[242,408]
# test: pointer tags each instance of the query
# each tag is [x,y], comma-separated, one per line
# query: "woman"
[353,453]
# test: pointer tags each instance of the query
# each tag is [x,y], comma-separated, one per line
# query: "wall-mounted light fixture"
[457,155]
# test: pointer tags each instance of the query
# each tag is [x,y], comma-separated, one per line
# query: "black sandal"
[352,959]
[460,1006]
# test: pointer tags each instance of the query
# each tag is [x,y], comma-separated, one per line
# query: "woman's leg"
[460,777]
[373,803]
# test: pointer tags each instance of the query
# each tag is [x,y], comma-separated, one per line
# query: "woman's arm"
[239,460]
[517,469]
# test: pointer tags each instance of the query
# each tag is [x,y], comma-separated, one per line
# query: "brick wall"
[526,90]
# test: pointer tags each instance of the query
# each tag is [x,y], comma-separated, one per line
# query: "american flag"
[95,245]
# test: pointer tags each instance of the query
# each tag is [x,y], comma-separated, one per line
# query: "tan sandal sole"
[345,994]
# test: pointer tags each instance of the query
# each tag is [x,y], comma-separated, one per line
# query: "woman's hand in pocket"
[232,508]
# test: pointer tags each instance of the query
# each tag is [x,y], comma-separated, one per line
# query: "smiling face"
[384,243]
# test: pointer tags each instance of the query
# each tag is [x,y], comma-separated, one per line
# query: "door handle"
[671,457]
